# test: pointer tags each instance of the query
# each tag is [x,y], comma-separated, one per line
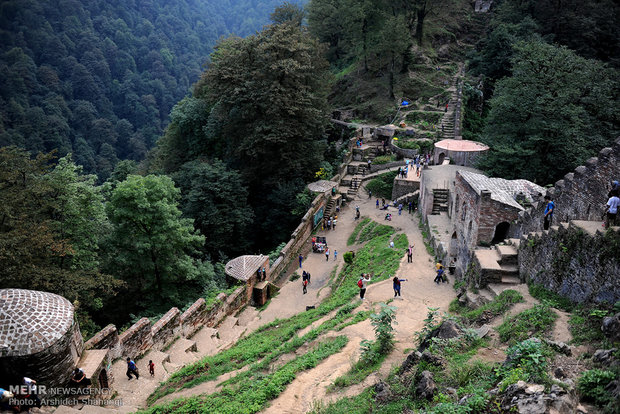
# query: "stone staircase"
[132,393]
[440,200]
[499,265]
[356,182]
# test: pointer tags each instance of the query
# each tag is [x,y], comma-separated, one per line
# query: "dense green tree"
[556,110]
[288,13]
[268,98]
[130,61]
[152,248]
[51,219]
[216,198]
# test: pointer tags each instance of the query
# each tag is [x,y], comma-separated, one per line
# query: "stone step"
[207,340]
[508,254]
[183,351]
[513,280]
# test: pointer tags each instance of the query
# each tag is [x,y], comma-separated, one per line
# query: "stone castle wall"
[144,336]
[580,195]
[576,264]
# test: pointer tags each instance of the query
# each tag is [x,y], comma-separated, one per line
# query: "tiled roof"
[243,267]
[503,191]
[322,186]
[461,145]
[31,321]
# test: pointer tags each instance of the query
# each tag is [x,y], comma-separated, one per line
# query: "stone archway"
[103,379]
[501,231]
[454,246]
[441,158]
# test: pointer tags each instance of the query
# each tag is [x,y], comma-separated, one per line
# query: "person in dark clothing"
[396,285]
[132,369]
[548,212]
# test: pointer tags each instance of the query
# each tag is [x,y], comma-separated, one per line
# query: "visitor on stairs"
[132,369]
[548,212]
[611,209]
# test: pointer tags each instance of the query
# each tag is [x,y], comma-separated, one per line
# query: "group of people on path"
[132,369]
[305,281]
[329,223]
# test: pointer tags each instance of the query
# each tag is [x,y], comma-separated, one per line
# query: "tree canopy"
[553,112]
[99,78]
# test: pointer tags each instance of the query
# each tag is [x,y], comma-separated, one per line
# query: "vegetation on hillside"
[546,95]
[99,78]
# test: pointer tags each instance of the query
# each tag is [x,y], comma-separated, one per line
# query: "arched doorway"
[454,246]
[103,379]
[442,156]
[501,231]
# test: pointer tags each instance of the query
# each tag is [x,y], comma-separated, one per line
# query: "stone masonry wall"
[491,214]
[137,340]
[52,366]
[166,329]
[580,195]
[106,338]
[466,220]
[573,263]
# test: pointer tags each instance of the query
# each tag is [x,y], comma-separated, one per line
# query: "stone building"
[39,337]
[459,151]
[484,209]
[245,269]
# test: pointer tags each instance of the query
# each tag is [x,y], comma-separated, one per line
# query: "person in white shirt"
[612,209]
[364,279]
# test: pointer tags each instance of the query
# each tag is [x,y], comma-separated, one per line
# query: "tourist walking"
[362,283]
[334,222]
[611,209]
[440,272]
[301,258]
[410,254]
[305,279]
[151,368]
[377,203]
[548,212]
[327,254]
[396,285]
[369,194]
[132,369]
[335,255]
[400,208]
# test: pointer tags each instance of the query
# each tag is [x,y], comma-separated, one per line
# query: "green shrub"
[381,186]
[585,325]
[496,307]
[550,298]
[407,145]
[531,356]
[348,257]
[592,385]
[383,159]
[531,322]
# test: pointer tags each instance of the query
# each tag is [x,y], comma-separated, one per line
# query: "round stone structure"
[39,337]
[460,151]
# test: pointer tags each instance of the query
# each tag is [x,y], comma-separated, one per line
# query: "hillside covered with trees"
[99,78]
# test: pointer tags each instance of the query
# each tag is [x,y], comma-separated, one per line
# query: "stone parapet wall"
[403,186]
[106,338]
[580,195]
[574,263]
[379,167]
[403,152]
[137,340]
[166,329]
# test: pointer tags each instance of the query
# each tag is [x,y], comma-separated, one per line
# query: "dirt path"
[418,293]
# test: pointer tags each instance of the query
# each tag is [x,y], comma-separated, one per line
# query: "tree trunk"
[365,43]
[392,64]
[419,30]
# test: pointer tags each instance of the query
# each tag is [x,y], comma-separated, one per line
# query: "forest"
[130,173]
[98,78]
